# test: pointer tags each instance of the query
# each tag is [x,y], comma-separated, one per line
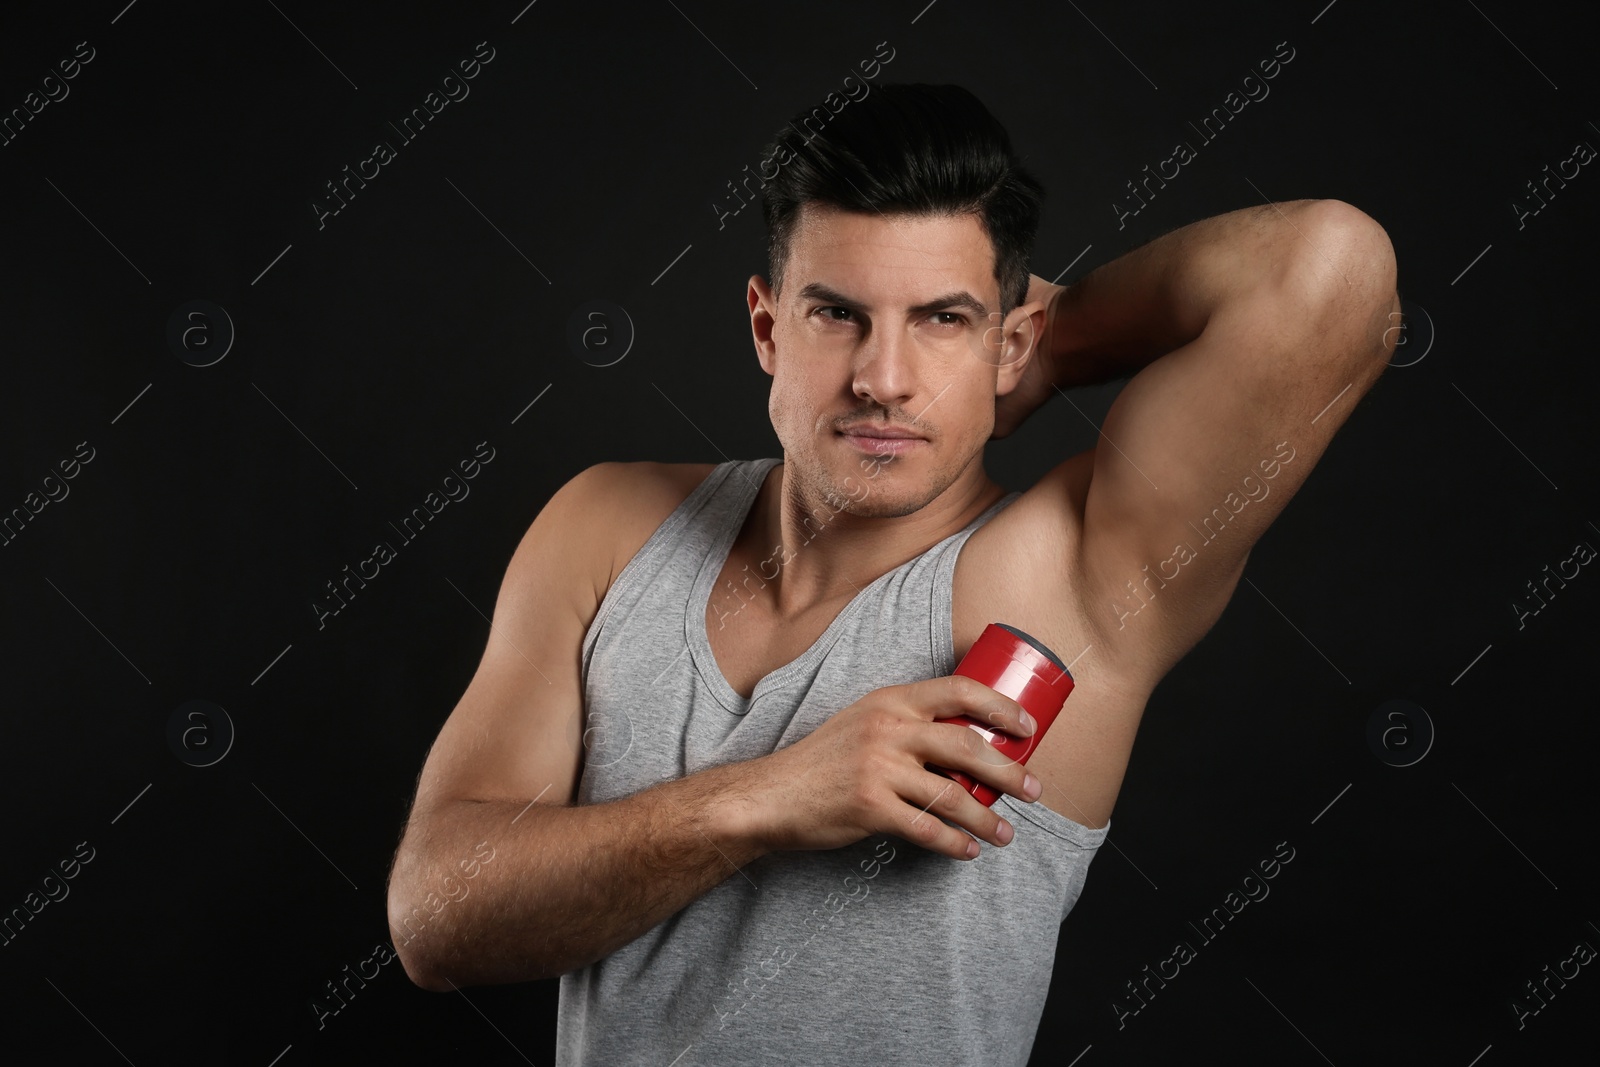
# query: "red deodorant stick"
[1010,662]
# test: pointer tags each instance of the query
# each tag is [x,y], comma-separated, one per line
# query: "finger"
[959,747]
[942,799]
[950,695]
[996,711]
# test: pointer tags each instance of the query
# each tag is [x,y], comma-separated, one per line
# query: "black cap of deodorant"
[1038,646]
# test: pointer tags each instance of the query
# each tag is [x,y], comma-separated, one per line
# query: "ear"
[763,316]
[1020,335]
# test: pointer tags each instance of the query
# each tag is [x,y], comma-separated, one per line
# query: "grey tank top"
[877,953]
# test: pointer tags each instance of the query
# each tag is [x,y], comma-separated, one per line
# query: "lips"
[889,432]
[881,440]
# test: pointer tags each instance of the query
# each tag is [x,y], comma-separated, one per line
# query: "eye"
[825,312]
[955,319]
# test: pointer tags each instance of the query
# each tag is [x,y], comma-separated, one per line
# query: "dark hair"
[909,149]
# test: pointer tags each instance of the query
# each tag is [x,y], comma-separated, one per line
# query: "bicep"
[1205,446]
[516,732]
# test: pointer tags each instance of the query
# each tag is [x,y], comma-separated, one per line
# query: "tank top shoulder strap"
[942,586]
[722,499]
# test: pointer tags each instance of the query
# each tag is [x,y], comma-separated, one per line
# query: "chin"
[891,494]
[881,506]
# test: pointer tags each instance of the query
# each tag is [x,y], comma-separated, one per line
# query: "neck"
[826,550]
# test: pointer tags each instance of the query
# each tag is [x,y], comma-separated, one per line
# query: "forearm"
[565,885]
[1118,318]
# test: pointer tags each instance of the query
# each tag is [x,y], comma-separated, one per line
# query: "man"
[696,750]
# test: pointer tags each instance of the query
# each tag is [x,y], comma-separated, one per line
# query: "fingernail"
[972,850]
[1004,832]
[1030,787]
[1027,722]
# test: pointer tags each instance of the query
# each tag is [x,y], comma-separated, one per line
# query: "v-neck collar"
[697,635]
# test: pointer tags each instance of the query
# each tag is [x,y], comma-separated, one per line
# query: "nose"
[886,368]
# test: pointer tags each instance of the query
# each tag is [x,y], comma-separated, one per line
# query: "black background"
[374,353]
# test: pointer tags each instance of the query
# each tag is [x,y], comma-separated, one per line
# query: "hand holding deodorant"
[1010,662]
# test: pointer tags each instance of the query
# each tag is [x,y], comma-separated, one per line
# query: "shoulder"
[620,504]
[588,531]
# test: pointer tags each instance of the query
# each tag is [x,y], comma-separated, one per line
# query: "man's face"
[882,330]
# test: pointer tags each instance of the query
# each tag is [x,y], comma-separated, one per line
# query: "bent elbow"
[418,967]
[1358,249]
[407,924]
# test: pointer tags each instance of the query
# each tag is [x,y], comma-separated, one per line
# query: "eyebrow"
[959,298]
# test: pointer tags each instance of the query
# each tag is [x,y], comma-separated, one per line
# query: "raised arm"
[1250,337]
